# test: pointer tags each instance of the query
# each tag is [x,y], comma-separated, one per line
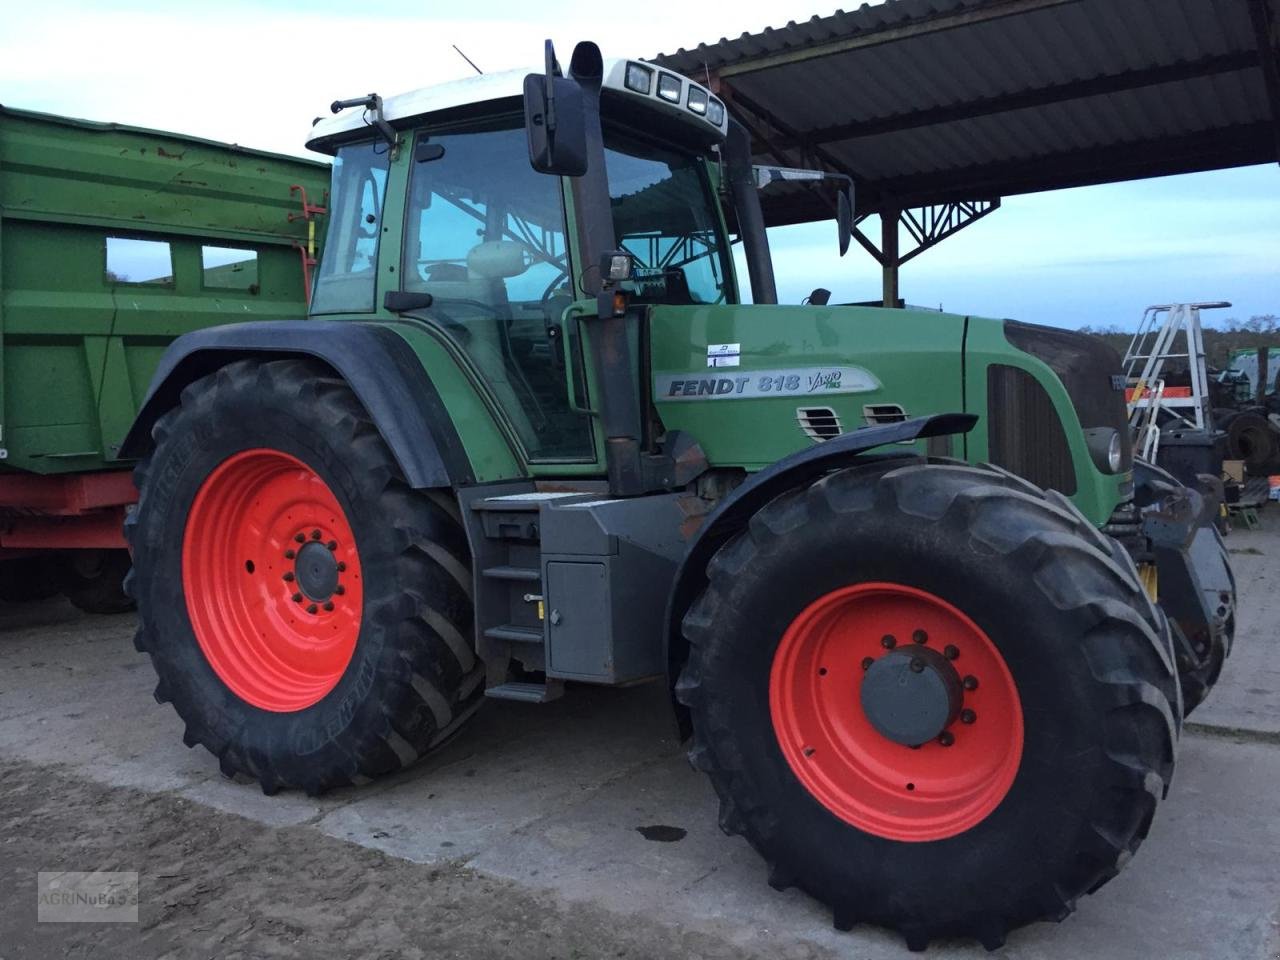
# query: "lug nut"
[300,538]
[315,534]
[888,641]
[917,665]
[970,682]
[867,662]
[946,738]
[297,598]
[332,545]
[920,637]
[312,608]
[967,716]
[288,578]
[328,604]
[289,554]
[951,651]
[339,589]
[342,567]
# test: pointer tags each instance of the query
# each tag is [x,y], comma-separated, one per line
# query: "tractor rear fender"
[379,365]
[735,510]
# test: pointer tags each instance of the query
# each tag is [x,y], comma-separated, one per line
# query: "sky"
[256,72]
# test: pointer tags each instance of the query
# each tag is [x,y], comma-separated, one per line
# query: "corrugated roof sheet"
[928,100]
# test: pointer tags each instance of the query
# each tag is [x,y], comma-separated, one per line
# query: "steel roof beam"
[1235,146]
[1029,99]
[995,10]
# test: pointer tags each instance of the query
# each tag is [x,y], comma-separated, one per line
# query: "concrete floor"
[551,797]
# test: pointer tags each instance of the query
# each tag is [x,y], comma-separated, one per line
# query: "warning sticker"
[723,354]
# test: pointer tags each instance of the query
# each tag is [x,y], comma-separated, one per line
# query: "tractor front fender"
[735,510]
[379,365]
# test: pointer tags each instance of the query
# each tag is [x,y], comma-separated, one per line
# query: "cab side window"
[346,281]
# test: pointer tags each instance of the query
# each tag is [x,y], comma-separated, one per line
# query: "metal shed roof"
[933,101]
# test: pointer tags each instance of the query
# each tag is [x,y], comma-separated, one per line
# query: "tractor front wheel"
[307,612]
[933,696]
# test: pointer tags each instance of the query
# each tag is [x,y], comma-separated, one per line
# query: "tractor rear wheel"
[933,697]
[308,613]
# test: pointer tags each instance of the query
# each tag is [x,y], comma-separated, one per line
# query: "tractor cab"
[438,215]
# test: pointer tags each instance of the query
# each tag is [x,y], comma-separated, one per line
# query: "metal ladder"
[1154,343]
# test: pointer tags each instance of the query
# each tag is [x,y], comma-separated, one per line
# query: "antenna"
[468,59]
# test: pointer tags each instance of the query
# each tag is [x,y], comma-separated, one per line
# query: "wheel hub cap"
[911,695]
[317,571]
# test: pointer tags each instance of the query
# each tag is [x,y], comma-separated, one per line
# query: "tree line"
[1221,339]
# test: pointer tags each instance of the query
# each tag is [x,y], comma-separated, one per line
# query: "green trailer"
[114,241]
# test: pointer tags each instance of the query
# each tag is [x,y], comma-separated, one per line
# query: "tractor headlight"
[698,101]
[639,78]
[715,113]
[1106,448]
[669,87]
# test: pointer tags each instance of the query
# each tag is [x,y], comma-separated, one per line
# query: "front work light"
[639,78]
[669,87]
[698,101]
[715,113]
[615,266]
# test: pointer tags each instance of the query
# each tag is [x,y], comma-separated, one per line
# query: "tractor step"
[514,634]
[527,692]
[513,573]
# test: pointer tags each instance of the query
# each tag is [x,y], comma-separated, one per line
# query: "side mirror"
[844,217]
[555,121]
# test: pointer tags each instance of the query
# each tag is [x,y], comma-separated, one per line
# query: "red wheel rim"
[272,580]
[882,787]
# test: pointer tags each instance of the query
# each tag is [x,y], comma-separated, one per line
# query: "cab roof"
[415,103]
[328,132]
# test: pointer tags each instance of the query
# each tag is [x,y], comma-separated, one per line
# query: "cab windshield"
[664,214]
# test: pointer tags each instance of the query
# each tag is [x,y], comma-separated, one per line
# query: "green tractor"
[897,567]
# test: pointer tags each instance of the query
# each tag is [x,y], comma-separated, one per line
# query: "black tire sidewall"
[1037,822]
[193,449]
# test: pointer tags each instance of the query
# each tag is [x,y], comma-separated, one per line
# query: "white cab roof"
[442,96]
[488,87]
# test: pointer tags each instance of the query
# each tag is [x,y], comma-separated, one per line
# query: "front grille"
[1090,370]
[1024,434]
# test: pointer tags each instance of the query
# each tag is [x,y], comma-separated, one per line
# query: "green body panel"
[488,447]
[922,361]
[79,347]
[913,355]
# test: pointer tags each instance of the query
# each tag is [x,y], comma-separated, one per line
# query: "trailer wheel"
[93,580]
[930,696]
[28,579]
[308,613]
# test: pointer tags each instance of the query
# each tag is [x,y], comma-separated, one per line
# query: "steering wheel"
[555,283]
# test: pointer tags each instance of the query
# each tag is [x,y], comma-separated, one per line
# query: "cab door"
[485,235]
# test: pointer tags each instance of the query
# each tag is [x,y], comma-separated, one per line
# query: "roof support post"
[889,259]
[1267,30]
